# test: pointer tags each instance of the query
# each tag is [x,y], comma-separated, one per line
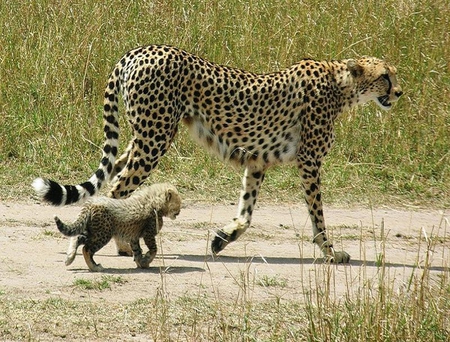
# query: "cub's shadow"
[150,270]
[154,270]
[129,267]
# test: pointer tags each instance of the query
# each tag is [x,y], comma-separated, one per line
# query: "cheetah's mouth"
[384,101]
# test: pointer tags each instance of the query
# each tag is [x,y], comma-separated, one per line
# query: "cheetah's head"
[376,80]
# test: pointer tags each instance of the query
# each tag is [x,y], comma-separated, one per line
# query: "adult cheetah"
[247,119]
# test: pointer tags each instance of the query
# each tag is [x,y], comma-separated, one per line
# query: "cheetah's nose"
[398,93]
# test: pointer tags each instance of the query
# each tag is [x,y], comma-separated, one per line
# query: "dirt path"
[275,258]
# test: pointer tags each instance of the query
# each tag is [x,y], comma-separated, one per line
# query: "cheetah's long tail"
[59,195]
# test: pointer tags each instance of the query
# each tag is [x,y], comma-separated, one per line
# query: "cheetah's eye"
[386,76]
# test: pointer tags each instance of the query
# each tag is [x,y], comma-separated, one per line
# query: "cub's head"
[162,197]
[173,202]
[376,80]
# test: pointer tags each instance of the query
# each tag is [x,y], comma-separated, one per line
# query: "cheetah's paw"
[340,257]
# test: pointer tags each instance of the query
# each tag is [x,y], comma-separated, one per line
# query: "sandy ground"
[275,257]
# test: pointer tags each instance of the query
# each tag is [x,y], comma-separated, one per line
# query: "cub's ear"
[355,69]
[169,194]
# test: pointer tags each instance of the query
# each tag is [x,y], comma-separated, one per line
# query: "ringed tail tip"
[50,191]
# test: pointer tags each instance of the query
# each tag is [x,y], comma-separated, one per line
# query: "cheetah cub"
[140,215]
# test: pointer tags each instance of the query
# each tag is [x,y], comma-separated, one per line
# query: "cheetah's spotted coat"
[251,120]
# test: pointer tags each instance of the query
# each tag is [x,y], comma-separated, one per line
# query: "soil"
[274,258]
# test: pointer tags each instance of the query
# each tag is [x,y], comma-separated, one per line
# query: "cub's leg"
[89,258]
[137,253]
[150,241]
[93,245]
[100,231]
[251,183]
[310,173]
[73,246]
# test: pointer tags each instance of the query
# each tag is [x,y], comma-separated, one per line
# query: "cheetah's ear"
[355,69]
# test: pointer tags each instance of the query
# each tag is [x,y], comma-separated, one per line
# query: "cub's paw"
[340,257]
[69,258]
[143,262]
[96,268]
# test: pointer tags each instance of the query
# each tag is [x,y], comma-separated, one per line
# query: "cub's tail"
[73,229]
[59,195]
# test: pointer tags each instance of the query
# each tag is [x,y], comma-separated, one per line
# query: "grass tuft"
[104,283]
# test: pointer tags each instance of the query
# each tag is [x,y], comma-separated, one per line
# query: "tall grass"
[55,57]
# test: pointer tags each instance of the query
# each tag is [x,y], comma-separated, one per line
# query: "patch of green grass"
[47,233]
[51,233]
[272,281]
[101,284]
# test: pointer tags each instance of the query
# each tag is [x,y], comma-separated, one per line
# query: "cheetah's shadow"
[293,261]
[169,268]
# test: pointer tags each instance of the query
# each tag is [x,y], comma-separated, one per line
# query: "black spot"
[89,188]
[112,135]
[257,175]
[100,174]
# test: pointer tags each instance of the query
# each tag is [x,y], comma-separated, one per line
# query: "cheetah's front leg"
[251,183]
[311,183]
